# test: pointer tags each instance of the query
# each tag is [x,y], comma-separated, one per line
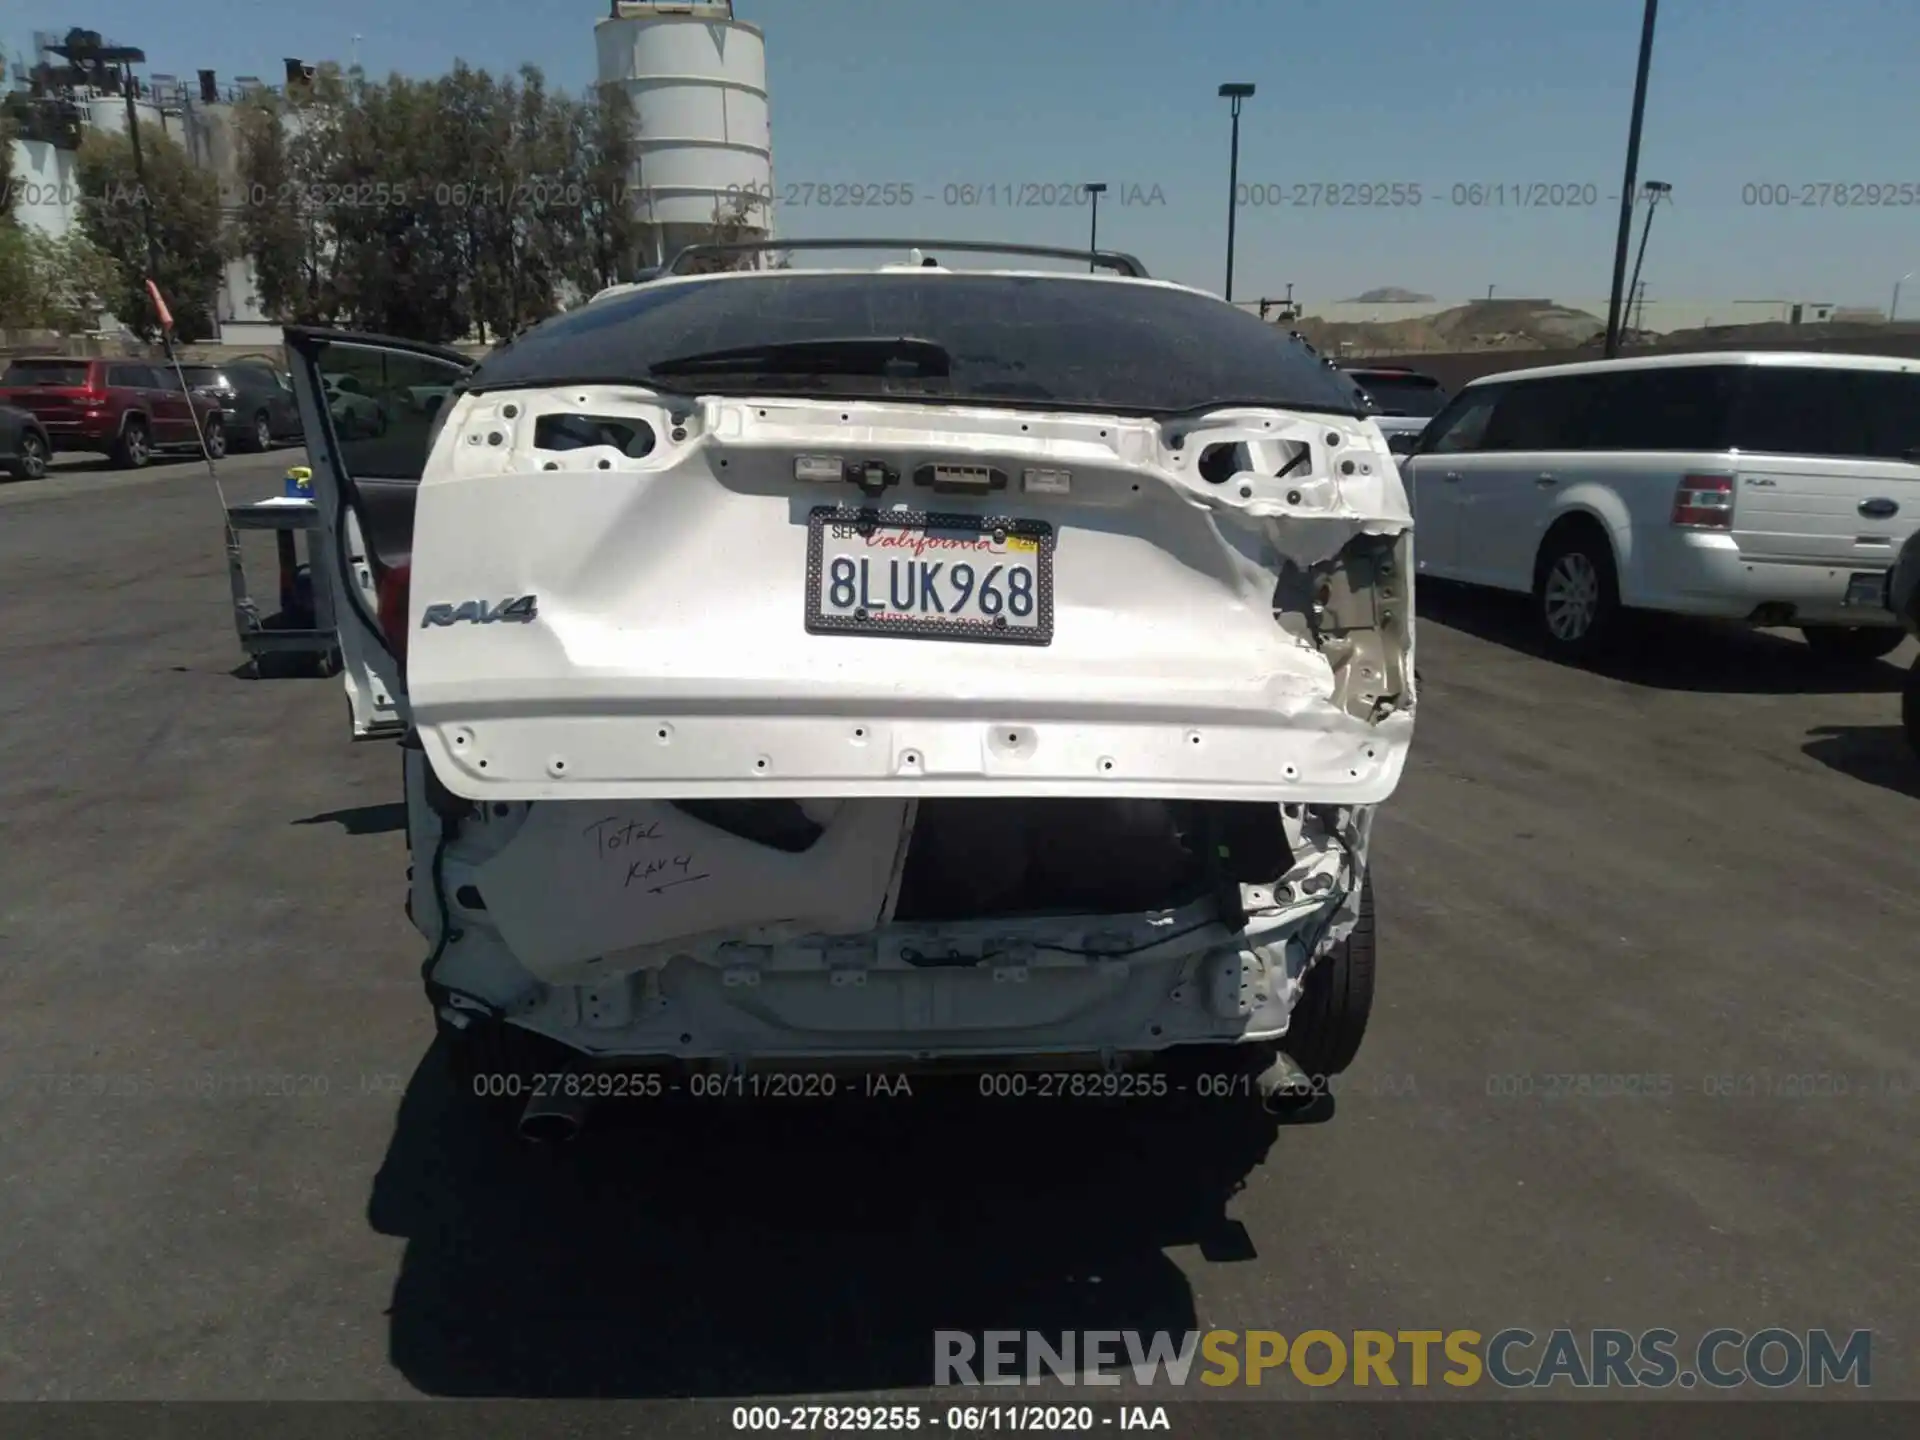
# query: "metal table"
[287,518]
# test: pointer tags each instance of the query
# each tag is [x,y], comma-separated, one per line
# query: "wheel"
[31,461]
[1852,642]
[1576,592]
[262,432]
[1330,1019]
[133,449]
[1910,707]
[215,433]
[327,664]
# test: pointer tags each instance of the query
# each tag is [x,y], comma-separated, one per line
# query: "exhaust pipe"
[553,1119]
[1283,1087]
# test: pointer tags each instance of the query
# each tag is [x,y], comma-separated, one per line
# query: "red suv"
[124,408]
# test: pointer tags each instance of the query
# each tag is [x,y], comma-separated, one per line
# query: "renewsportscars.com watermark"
[1724,1359]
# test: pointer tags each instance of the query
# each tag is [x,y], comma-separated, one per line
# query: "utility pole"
[1234,94]
[1655,191]
[1633,172]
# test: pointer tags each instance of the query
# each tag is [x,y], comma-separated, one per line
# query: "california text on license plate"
[927,576]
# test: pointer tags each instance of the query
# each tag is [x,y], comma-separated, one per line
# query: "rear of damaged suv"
[827,670]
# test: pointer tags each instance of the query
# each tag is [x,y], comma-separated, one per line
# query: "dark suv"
[256,398]
[127,409]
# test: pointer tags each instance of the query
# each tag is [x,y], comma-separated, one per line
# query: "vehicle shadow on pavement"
[1667,652]
[1876,754]
[707,1248]
[363,819]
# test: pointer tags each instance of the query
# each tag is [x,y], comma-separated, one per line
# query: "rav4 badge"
[519,609]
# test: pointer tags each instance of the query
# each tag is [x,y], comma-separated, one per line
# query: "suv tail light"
[1704,502]
[391,585]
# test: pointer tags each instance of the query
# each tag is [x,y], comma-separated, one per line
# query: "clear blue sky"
[1490,91]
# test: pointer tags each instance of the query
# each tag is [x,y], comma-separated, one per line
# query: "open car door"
[366,477]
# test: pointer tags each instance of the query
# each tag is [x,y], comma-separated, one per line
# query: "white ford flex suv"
[1774,488]
[810,669]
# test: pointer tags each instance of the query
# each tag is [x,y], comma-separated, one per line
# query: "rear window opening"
[46,372]
[1219,463]
[632,438]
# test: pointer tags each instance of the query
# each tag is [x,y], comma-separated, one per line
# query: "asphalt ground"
[233,1166]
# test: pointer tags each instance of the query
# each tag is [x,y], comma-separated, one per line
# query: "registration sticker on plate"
[1868,588]
[916,575]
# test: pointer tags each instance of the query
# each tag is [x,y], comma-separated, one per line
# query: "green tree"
[606,239]
[49,284]
[267,227]
[185,202]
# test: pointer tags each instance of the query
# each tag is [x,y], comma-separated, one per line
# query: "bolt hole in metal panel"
[920,575]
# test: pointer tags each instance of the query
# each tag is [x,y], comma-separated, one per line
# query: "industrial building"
[55,107]
[697,76]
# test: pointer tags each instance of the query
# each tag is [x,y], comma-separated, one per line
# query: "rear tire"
[31,461]
[133,449]
[262,433]
[1852,642]
[214,432]
[1330,1019]
[1576,592]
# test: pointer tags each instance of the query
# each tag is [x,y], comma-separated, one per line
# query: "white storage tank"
[109,113]
[698,80]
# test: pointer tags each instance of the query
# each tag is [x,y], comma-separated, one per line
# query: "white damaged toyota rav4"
[802,671]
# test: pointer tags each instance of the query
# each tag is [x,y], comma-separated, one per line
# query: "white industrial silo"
[698,81]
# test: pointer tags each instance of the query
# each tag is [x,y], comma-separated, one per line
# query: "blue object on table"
[299,484]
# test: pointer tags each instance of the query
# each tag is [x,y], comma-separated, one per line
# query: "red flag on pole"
[160,306]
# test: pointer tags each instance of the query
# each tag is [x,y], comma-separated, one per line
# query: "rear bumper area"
[1697,573]
[986,998]
[67,435]
[641,933]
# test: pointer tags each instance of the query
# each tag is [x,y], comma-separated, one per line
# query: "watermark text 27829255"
[1837,194]
[984,194]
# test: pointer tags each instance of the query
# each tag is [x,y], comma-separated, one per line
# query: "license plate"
[1869,589]
[916,575]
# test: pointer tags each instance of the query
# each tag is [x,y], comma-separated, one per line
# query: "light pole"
[1233,94]
[1633,171]
[1655,192]
[1894,309]
[1096,189]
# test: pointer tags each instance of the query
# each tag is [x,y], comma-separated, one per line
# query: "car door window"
[1785,410]
[1891,399]
[131,377]
[1662,408]
[395,447]
[1462,426]
[1542,414]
